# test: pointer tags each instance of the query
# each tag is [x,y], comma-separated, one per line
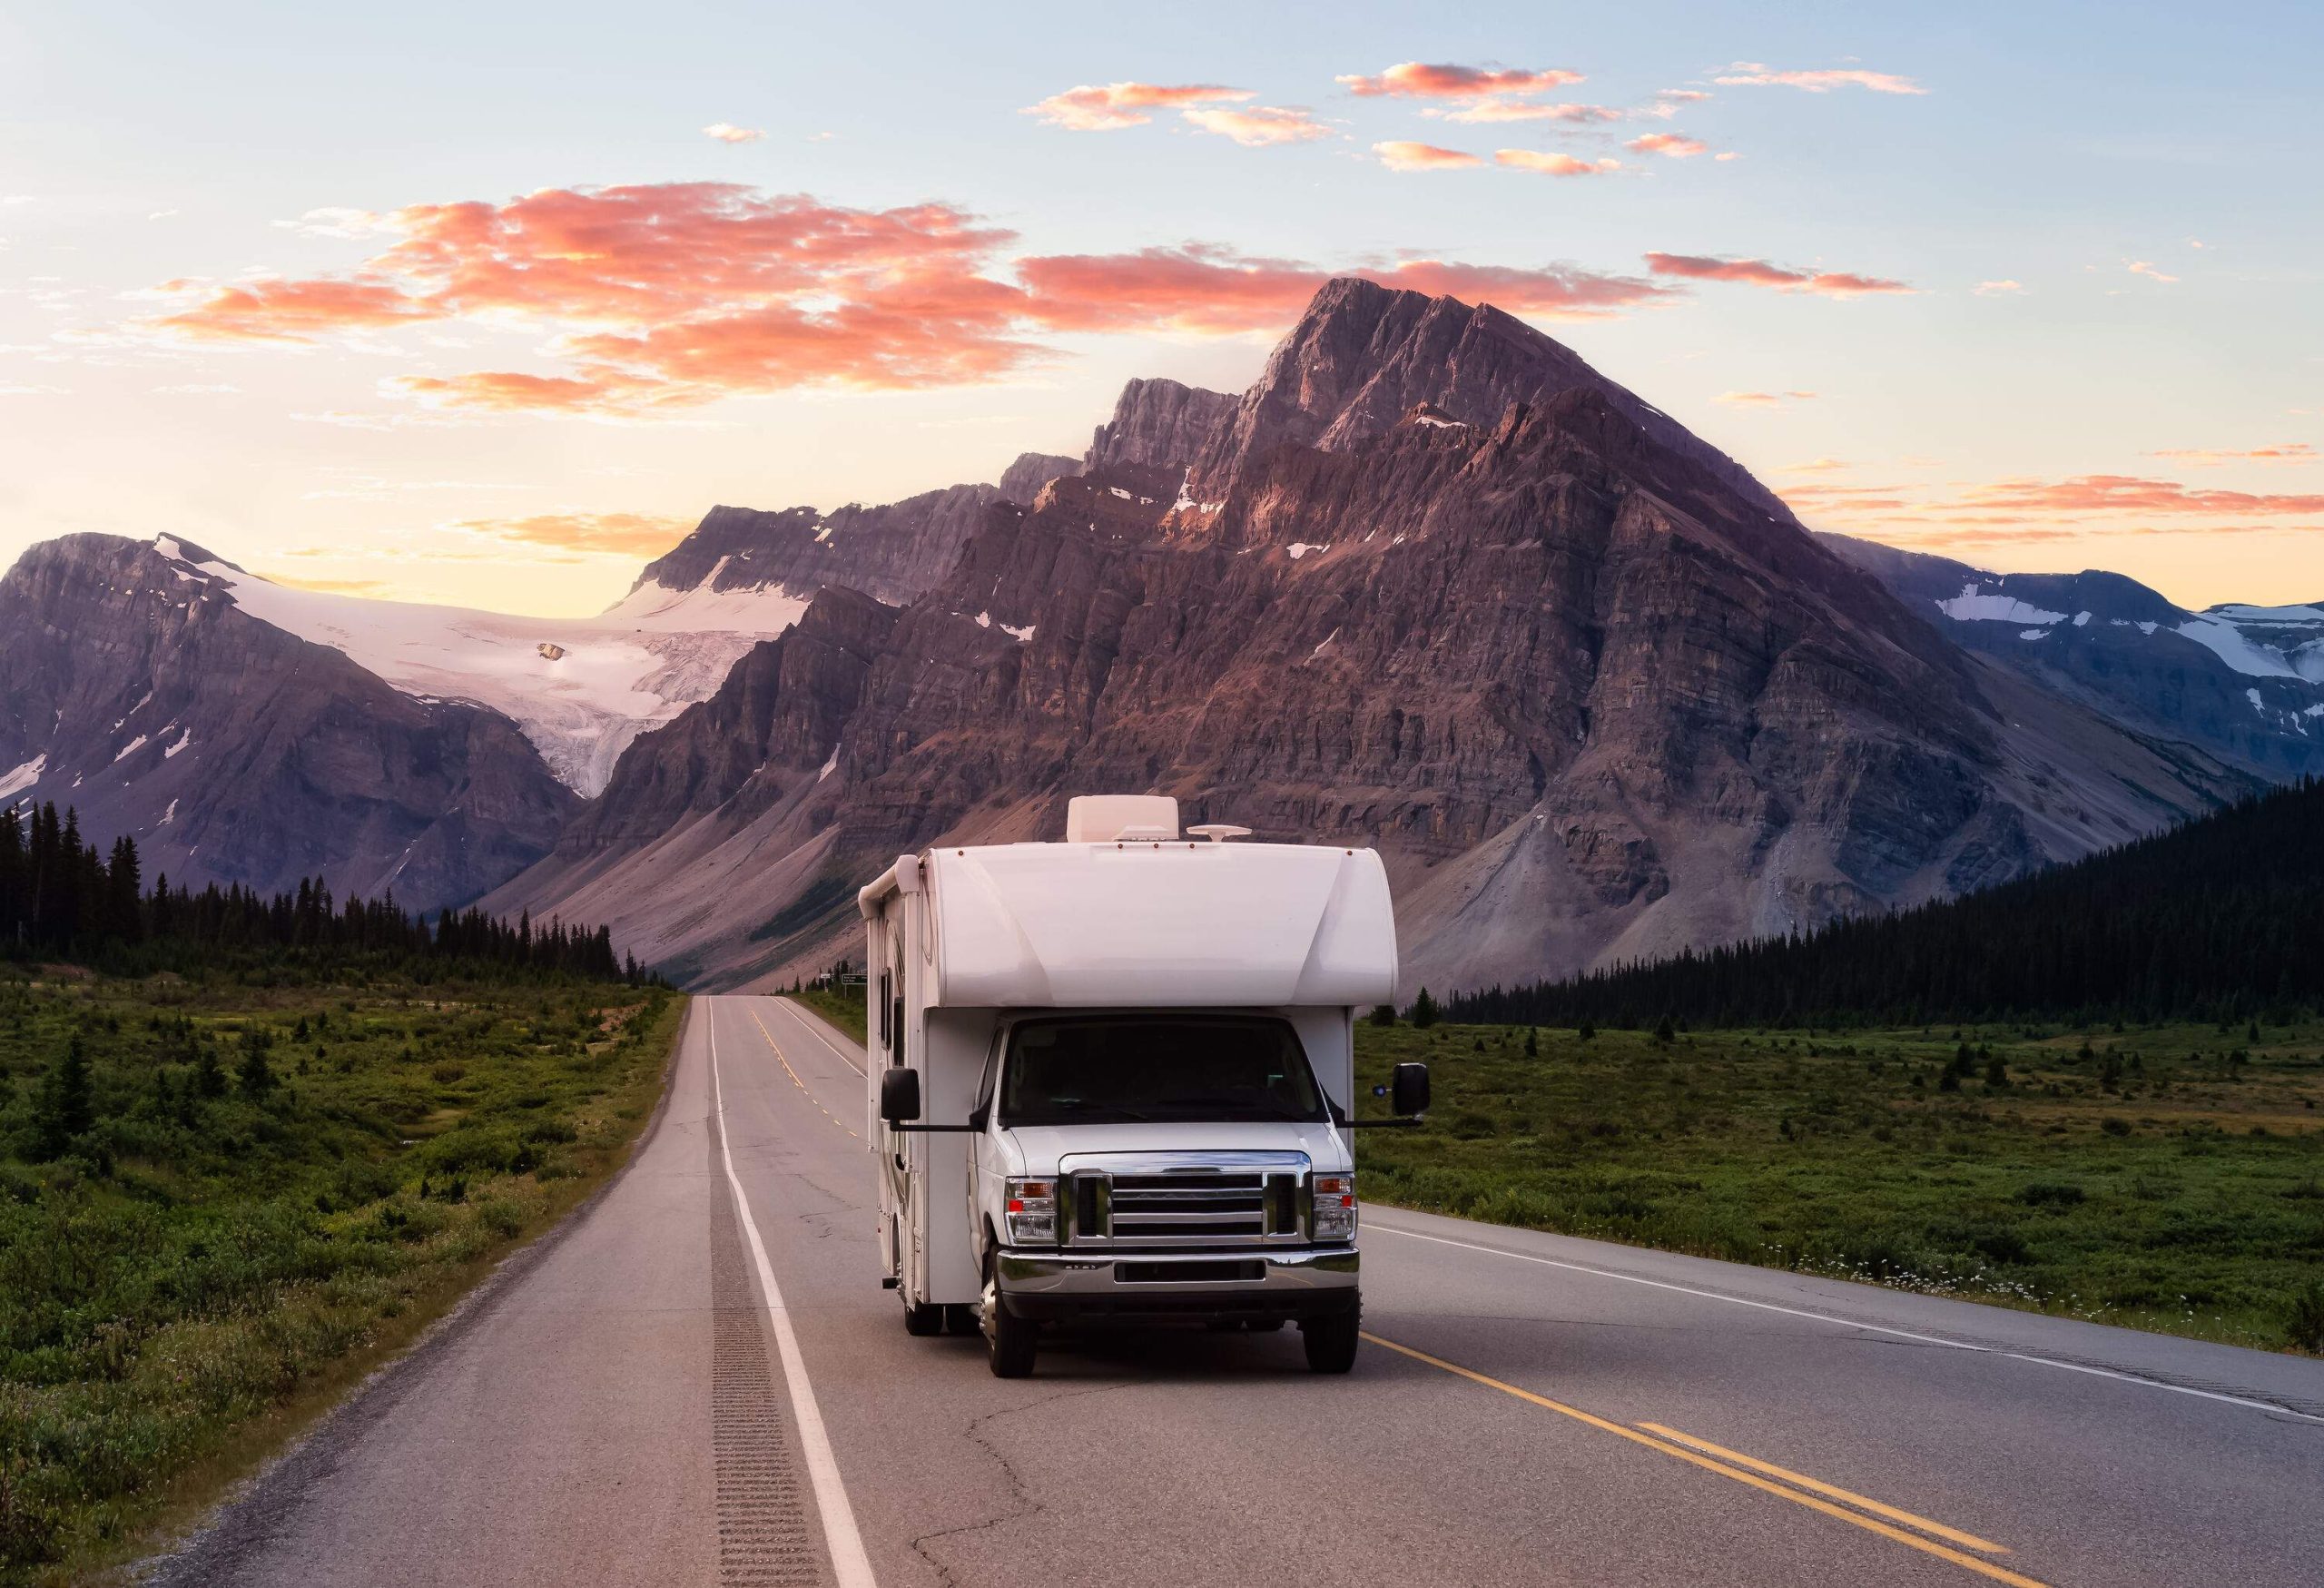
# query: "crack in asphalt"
[1019,1495]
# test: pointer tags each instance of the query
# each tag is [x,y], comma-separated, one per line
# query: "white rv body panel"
[962,943]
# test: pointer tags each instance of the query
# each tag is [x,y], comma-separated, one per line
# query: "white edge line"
[814,1030]
[1845,1323]
[849,1565]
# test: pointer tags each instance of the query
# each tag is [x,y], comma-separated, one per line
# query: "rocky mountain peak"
[1365,357]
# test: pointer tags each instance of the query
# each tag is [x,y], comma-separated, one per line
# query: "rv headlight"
[1032,1212]
[1336,1206]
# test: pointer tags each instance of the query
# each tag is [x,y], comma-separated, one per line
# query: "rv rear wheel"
[1010,1342]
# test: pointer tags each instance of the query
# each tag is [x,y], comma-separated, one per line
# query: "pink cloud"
[1418,80]
[2118,493]
[293,312]
[1214,291]
[728,133]
[2139,267]
[1486,111]
[1547,164]
[1405,156]
[2207,458]
[1752,74]
[1261,127]
[2000,288]
[661,297]
[1108,107]
[1673,144]
[1762,399]
[1758,272]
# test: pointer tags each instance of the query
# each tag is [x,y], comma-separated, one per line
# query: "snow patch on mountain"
[2236,650]
[580,688]
[23,777]
[1975,606]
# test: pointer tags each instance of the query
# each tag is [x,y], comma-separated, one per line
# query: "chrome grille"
[1232,1199]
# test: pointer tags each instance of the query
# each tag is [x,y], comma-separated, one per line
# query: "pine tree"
[67,1107]
[254,1075]
[1425,1012]
[1532,1044]
[208,1075]
[1383,1014]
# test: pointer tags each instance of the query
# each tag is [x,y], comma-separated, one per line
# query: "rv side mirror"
[898,1095]
[1408,1092]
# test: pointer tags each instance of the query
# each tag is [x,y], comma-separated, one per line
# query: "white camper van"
[1115,1077]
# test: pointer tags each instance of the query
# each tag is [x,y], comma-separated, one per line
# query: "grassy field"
[2167,1178]
[843,1009]
[273,1190]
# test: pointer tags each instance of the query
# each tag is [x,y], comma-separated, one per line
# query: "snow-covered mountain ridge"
[580,688]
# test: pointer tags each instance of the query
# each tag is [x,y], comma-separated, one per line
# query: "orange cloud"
[1262,125]
[2204,458]
[293,312]
[1996,289]
[1758,272]
[1552,164]
[1751,73]
[621,534]
[1762,399]
[1814,466]
[1669,143]
[1405,156]
[1109,107]
[650,299]
[1213,291]
[2139,267]
[728,133]
[2120,493]
[1506,109]
[1417,80]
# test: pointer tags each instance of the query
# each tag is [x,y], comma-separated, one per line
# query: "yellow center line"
[1966,1540]
[1679,1452]
[779,1059]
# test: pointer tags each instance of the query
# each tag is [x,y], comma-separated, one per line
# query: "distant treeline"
[64,898]
[2222,917]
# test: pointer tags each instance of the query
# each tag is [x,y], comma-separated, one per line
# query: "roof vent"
[1218,832]
[1120,818]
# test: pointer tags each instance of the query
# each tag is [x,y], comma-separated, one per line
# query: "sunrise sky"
[488,303]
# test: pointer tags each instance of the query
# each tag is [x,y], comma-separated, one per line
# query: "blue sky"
[159,161]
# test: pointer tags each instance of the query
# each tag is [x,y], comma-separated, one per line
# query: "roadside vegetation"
[250,1146]
[2165,1177]
[842,1009]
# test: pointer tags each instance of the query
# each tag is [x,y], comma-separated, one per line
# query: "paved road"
[623,1405]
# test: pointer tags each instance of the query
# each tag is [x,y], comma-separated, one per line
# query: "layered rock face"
[2245,684]
[133,687]
[1160,424]
[1590,697]
[894,551]
[1022,480]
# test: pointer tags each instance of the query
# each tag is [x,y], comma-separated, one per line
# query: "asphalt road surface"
[670,1389]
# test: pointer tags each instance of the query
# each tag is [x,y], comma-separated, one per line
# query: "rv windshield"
[1111,1068]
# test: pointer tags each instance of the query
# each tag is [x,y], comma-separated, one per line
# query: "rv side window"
[1167,1065]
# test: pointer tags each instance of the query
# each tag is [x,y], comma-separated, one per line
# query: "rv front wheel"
[1331,1341]
[1010,1342]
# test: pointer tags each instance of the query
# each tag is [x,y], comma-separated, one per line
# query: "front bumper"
[1048,1285]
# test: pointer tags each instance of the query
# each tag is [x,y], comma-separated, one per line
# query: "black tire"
[959,1318]
[923,1321]
[1010,1343]
[1330,1342]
